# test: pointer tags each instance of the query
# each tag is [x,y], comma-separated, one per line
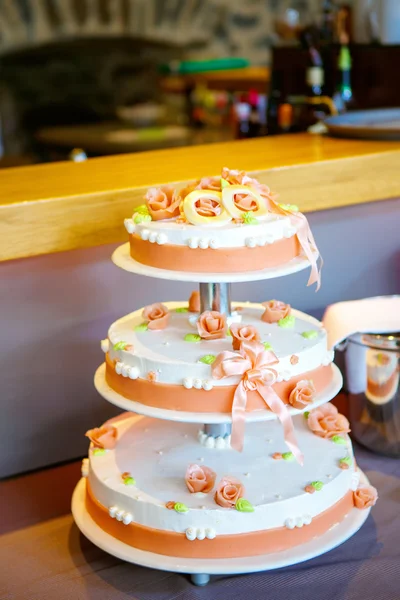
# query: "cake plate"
[201,569]
[192,417]
[122,258]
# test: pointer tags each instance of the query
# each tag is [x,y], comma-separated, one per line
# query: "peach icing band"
[219,399]
[171,543]
[222,260]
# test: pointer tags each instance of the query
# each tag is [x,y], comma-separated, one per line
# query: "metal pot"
[372,385]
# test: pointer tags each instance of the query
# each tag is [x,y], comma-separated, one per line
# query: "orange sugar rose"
[194,302]
[302,394]
[211,325]
[243,332]
[326,421]
[365,497]
[199,479]
[103,437]
[156,316]
[228,492]
[163,203]
[275,310]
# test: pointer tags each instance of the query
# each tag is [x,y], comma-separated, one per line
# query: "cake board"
[201,569]
[192,417]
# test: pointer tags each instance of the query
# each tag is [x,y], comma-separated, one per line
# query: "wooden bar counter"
[63,206]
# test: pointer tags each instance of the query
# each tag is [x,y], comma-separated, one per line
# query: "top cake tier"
[225,225]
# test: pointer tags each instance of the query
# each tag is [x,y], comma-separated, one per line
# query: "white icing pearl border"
[200,533]
[120,515]
[219,443]
[292,522]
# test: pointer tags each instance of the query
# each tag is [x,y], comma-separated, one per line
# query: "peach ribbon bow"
[253,362]
[299,221]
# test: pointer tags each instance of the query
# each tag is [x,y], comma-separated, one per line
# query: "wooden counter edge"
[93,219]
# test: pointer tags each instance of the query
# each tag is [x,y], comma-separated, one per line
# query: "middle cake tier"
[174,368]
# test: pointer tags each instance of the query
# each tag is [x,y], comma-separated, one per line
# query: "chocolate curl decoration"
[253,363]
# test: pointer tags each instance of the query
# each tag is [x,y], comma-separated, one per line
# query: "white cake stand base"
[201,569]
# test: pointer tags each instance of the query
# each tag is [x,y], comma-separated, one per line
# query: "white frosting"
[274,487]
[85,467]
[231,235]
[177,362]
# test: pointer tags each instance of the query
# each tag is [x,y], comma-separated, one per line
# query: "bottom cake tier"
[259,501]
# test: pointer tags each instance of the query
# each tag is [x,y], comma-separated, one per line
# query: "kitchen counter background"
[55,309]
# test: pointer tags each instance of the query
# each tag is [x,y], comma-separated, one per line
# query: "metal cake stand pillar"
[216,296]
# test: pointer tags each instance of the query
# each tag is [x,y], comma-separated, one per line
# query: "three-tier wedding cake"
[234,450]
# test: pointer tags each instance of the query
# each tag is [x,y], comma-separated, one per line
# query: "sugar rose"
[211,325]
[199,479]
[275,310]
[209,183]
[302,394]
[194,302]
[242,333]
[207,207]
[156,316]
[365,497]
[163,203]
[326,421]
[229,490]
[103,437]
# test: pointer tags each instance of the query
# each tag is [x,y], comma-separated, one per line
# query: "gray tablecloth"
[51,560]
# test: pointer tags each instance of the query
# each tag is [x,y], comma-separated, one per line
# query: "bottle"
[242,115]
[343,97]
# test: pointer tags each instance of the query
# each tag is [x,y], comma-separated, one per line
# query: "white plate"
[122,258]
[200,569]
[192,417]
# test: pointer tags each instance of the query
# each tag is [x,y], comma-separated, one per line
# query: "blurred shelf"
[230,80]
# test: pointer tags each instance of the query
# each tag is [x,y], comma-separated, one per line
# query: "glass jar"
[372,376]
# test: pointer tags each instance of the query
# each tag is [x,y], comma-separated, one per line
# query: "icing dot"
[127,518]
[200,534]
[201,459]
[193,243]
[203,243]
[145,234]
[190,533]
[290,523]
[198,384]
[129,225]
[247,474]
[112,511]
[213,244]
[161,239]
[278,496]
[210,533]
[119,515]
[160,452]
[250,242]
[152,237]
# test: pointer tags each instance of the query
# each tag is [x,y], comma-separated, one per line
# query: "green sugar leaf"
[180,507]
[224,183]
[290,207]
[306,414]
[267,345]
[183,309]
[249,218]
[243,505]
[120,346]
[287,322]
[143,209]
[310,335]
[288,456]
[140,218]
[228,333]
[317,485]
[141,327]
[346,461]
[338,439]
[192,337]
[98,451]
[130,481]
[208,359]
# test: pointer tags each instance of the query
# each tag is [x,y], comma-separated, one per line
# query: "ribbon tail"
[273,401]
[238,417]
[303,237]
